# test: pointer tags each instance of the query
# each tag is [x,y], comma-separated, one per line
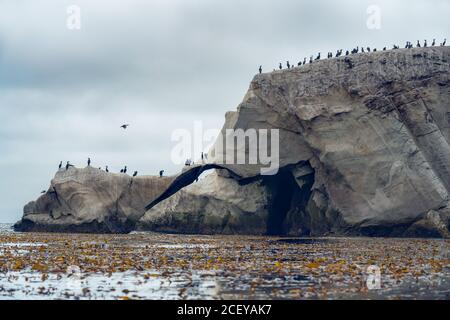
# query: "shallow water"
[158,266]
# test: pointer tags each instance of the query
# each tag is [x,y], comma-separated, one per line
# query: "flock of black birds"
[340,52]
[124,170]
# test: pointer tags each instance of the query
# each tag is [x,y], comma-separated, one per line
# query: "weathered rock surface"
[91,200]
[212,205]
[374,130]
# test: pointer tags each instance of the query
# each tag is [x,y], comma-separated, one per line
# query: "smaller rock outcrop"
[214,204]
[91,200]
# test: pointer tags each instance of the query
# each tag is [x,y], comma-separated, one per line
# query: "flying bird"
[124,126]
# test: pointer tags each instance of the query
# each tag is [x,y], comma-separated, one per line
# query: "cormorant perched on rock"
[374,50]
[311,59]
[280,66]
[347,53]
[161,173]
[384,49]
[418,44]
[425,43]
[362,49]
[135,174]
[260,69]
[124,126]
[121,170]
[368,49]
[106,169]
[299,64]
[60,165]
[67,165]
[304,61]
[89,162]
[125,169]
[318,56]
[288,64]
[443,43]
[433,43]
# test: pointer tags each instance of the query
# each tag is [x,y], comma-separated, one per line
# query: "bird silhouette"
[60,165]
[135,174]
[124,126]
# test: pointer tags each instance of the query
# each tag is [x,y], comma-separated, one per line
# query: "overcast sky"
[157,65]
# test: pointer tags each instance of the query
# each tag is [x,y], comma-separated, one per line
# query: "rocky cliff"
[372,131]
[91,200]
[364,150]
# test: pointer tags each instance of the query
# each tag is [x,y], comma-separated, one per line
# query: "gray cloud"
[159,65]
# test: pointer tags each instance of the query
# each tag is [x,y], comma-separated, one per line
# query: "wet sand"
[159,266]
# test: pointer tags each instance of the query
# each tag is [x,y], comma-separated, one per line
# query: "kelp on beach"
[153,266]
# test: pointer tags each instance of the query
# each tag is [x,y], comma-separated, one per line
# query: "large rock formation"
[374,130]
[364,150]
[91,200]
